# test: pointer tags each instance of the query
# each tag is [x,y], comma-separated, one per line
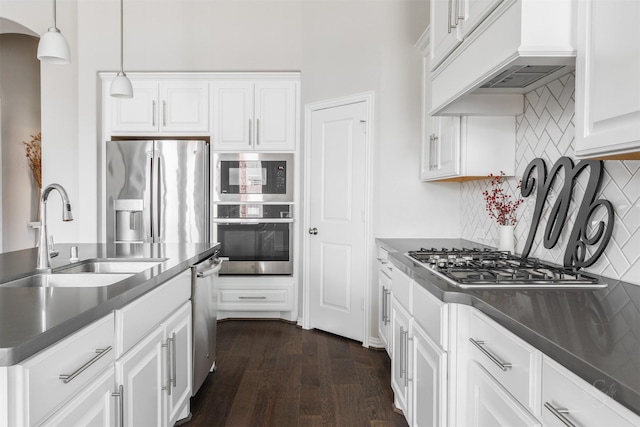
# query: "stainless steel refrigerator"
[157,191]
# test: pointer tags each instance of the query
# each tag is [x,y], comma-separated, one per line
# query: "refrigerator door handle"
[151,197]
[158,198]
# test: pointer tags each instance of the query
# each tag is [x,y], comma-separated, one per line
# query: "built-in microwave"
[253,177]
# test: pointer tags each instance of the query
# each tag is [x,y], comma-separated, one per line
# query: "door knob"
[313,231]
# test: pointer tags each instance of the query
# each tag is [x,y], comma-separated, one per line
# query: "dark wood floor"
[272,373]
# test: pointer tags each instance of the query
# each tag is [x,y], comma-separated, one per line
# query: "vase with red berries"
[502,206]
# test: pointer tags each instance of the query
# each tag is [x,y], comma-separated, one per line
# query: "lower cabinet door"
[429,400]
[400,358]
[140,372]
[490,405]
[179,349]
[94,406]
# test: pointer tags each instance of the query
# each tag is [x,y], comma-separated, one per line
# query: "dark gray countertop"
[593,333]
[33,318]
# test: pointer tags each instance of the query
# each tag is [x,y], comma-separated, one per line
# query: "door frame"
[368,98]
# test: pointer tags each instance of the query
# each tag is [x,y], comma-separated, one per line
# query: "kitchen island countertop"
[33,318]
[593,333]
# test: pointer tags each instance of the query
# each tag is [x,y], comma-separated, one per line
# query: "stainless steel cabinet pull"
[313,231]
[174,370]
[384,305]
[120,396]
[241,297]
[502,365]
[559,413]
[250,133]
[153,113]
[257,131]
[158,198]
[101,352]
[401,351]
[168,367]
[458,9]
[449,26]
[164,113]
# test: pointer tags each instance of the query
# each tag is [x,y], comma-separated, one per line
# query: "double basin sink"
[97,272]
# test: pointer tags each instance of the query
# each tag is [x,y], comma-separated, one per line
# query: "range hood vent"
[520,76]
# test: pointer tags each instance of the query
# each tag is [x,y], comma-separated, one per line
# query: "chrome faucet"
[44,251]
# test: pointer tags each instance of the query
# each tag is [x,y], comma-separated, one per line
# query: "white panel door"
[178,333]
[429,382]
[337,227]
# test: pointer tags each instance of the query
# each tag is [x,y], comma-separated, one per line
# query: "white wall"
[20,95]
[341,48]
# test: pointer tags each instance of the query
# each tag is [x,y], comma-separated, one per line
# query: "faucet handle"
[52,250]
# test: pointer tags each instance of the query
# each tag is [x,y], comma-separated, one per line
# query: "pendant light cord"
[54,14]
[121,36]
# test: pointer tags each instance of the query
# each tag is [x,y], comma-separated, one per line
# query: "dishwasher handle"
[213,270]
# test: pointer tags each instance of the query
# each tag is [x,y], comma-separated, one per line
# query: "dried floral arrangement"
[501,206]
[34,156]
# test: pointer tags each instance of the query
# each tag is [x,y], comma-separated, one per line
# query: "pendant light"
[121,85]
[53,48]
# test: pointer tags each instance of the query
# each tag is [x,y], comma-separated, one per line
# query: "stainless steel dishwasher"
[204,298]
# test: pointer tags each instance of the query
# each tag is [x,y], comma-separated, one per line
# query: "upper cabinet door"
[607,83]
[275,116]
[444,34]
[260,116]
[233,122]
[138,114]
[184,107]
[168,108]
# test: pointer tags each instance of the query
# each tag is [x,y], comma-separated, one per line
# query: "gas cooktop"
[491,269]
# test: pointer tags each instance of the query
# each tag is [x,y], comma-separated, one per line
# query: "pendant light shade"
[53,48]
[121,85]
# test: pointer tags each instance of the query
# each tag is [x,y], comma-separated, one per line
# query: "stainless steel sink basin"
[103,266]
[62,280]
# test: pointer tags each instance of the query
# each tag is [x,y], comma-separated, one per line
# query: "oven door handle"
[253,221]
[213,270]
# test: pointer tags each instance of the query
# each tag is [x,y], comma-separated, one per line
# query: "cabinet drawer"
[401,288]
[512,362]
[77,357]
[585,404]
[137,319]
[271,299]
[431,314]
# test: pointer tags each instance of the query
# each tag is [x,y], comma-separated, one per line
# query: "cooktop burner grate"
[486,268]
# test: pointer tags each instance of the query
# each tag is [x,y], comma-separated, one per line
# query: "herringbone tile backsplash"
[546,130]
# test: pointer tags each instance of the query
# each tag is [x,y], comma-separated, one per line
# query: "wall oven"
[255,238]
[253,177]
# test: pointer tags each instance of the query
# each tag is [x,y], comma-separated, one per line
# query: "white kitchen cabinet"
[140,376]
[469,147]
[265,295]
[569,399]
[177,334]
[162,108]
[260,115]
[493,37]
[94,406]
[428,403]
[384,306]
[50,379]
[607,84]
[489,404]
[401,358]
[444,34]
